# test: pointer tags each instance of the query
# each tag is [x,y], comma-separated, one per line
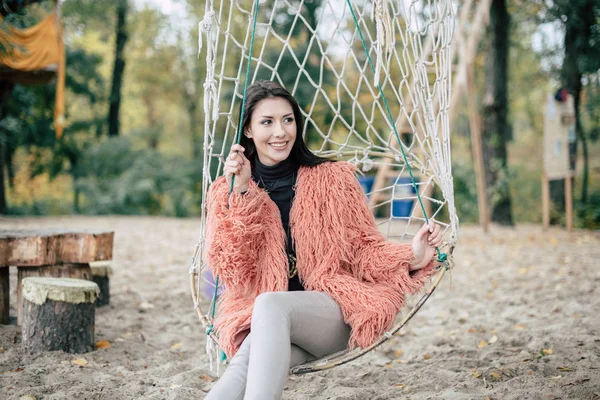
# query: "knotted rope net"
[373,79]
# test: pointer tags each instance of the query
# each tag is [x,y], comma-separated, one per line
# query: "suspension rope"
[442,257]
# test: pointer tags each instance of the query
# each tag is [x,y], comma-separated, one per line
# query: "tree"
[496,130]
[119,68]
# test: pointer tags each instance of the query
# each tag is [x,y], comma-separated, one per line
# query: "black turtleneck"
[279,180]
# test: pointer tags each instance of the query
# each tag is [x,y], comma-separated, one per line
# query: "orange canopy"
[35,48]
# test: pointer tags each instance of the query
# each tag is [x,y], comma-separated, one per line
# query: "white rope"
[204,27]
[210,84]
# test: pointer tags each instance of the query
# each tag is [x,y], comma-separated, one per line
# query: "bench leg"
[77,271]
[4,295]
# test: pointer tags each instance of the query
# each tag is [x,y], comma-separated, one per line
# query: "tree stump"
[58,314]
[75,271]
[101,272]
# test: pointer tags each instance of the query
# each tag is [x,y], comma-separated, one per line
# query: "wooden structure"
[33,56]
[50,253]
[559,130]
[59,314]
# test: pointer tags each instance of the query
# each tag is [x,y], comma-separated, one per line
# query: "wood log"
[101,272]
[53,246]
[58,314]
[76,271]
[4,295]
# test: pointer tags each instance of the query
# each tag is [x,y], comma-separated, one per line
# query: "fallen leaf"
[176,346]
[495,376]
[566,369]
[476,375]
[523,271]
[103,344]
[28,397]
[82,362]
[398,353]
[207,378]
[482,344]
[146,306]
[555,378]
[472,330]
[399,385]
[174,386]
[546,351]
[427,356]
[520,327]
[17,370]
[493,339]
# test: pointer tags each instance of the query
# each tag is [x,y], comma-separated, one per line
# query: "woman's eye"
[266,122]
[290,119]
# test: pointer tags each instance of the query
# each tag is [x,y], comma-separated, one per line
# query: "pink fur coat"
[338,249]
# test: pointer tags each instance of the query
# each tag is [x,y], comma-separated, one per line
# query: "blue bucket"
[403,188]
[366,182]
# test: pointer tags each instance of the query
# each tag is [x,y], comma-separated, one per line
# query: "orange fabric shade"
[35,48]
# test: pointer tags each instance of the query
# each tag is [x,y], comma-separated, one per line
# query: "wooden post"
[569,201]
[58,314]
[4,295]
[77,271]
[545,201]
[475,128]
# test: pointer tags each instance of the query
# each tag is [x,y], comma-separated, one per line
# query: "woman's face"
[272,129]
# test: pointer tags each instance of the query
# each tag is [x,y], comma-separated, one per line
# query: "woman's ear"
[248,134]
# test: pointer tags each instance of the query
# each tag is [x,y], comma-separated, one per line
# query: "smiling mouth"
[278,145]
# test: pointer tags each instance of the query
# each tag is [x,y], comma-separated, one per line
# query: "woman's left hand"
[424,243]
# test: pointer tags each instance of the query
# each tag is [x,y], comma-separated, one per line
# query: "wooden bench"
[58,253]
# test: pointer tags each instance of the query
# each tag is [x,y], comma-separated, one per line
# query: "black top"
[279,181]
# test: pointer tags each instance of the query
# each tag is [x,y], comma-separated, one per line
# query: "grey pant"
[288,329]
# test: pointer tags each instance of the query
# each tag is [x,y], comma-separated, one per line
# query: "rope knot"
[204,27]
[206,23]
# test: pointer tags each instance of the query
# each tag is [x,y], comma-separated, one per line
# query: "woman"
[305,269]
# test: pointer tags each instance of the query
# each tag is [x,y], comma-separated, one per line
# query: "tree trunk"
[119,67]
[577,28]
[5,92]
[3,205]
[495,133]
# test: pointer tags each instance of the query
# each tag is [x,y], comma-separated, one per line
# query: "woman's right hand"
[237,164]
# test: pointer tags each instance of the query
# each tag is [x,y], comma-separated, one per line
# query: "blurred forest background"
[132,142]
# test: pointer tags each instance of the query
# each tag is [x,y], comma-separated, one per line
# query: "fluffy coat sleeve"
[237,229]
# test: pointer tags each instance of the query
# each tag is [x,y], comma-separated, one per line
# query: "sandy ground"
[517,319]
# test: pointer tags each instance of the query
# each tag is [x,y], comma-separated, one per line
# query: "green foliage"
[589,214]
[116,178]
[465,192]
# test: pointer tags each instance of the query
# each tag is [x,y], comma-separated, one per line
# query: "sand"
[517,319]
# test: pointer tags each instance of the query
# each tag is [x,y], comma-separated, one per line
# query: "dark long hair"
[260,90]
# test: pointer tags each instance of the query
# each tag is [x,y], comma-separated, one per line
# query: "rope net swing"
[373,79]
